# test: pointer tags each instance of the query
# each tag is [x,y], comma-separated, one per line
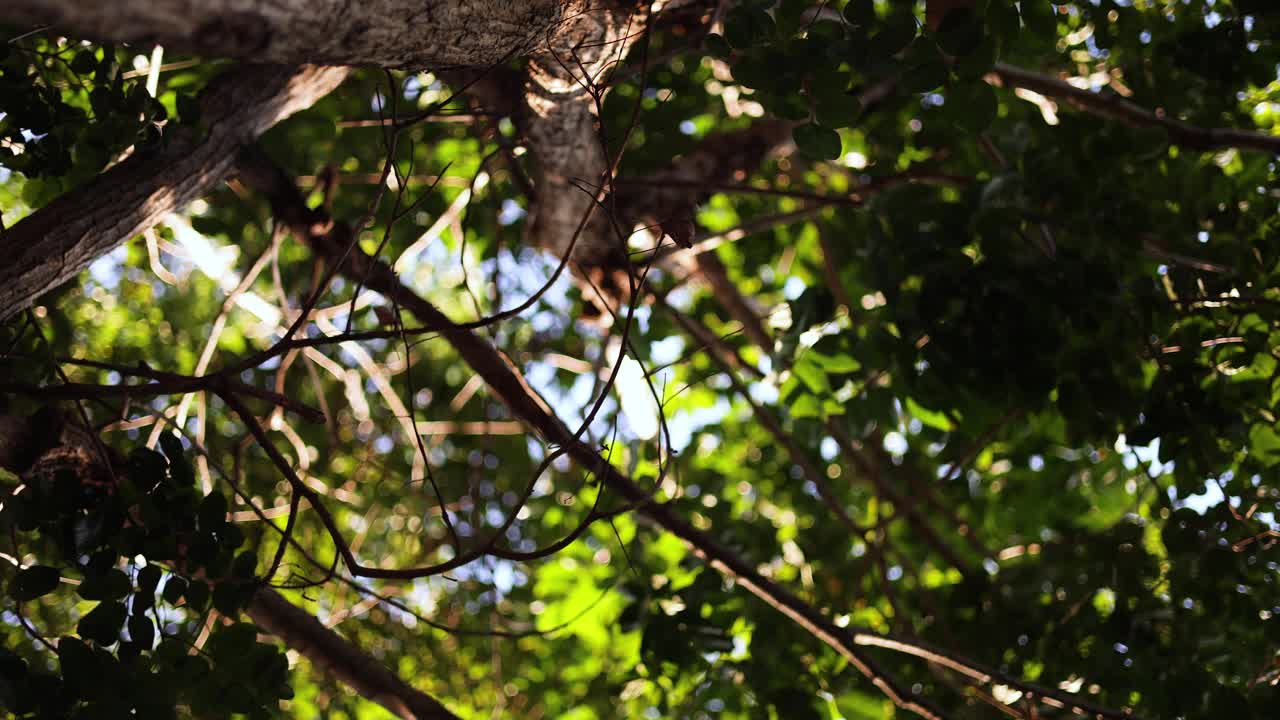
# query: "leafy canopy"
[1020,400]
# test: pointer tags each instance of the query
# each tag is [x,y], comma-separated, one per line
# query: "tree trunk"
[564,83]
[387,33]
[55,243]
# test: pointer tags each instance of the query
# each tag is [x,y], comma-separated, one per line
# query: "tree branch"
[386,33]
[56,242]
[524,403]
[1117,108]
[330,652]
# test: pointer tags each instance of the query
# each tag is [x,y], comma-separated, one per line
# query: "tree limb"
[56,242]
[331,653]
[386,33]
[1133,115]
[526,405]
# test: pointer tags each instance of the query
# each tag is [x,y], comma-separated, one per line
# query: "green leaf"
[747,26]
[838,111]
[244,565]
[174,588]
[147,468]
[230,537]
[231,596]
[102,624]
[197,594]
[836,363]
[931,418]
[142,602]
[788,13]
[1264,442]
[179,468]
[188,109]
[33,582]
[233,643]
[860,12]
[972,106]
[811,374]
[84,63]
[81,669]
[718,46]
[817,141]
[926,76]
[1002,19]
[1040,17]
[973,65]
[897,32]
[805,406]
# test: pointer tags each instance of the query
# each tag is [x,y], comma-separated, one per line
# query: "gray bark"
[563,84]
[55,243]
[387,33]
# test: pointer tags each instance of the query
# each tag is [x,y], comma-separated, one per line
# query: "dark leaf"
[817,141]
[141,631]
[102,624]
[110,584]
[33,582]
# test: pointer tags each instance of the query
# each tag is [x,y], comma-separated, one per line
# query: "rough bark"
[571,44]
[55,243]
[387,33]
[563,84]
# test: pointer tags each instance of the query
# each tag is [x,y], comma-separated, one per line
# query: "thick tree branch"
[50,246]
[386,33]
[564,86]
[668,198]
